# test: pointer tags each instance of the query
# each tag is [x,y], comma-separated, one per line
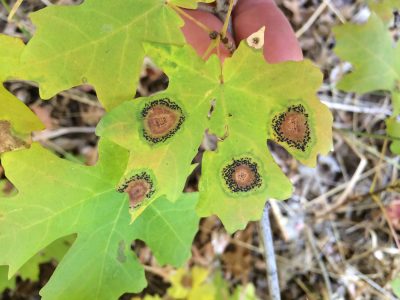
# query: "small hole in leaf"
[161,120]
[256,40]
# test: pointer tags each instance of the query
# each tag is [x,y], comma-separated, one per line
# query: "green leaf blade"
[169,160]
[252,94]
[73,198]
[169,228]
[105,51]
[369,48]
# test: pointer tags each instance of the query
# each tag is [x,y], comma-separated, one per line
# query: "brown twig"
[388,188]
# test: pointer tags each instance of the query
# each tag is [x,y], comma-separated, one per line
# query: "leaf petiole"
[186,15]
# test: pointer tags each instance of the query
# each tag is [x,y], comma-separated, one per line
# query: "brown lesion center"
[137,190]
[294,126]
[160,120]
[243,176]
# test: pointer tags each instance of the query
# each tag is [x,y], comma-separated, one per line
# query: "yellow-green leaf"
[57,198]
[98,42]
[254,102]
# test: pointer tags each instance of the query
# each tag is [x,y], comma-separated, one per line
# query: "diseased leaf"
[238,178]
[163,132]
[98,42]
[16,120]
[73,198]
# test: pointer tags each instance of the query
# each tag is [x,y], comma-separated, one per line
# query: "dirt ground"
[332,239]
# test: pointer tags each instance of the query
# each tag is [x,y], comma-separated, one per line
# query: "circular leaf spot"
[242,175]
[139,187]
[292,127]
[161,120]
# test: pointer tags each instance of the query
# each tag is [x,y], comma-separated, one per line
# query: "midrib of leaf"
[55,214]
[115,221]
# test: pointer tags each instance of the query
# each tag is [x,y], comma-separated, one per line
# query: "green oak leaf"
[62,198]
[248,101]
[16,120]
[98,42]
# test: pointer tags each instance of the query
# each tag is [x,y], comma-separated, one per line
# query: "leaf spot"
[242,175]
[292,127]
[138,187]
[161,120]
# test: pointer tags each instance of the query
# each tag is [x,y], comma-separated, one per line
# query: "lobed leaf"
[98,42]
[73,198]
[251,90]
[168,160]
[253,94]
